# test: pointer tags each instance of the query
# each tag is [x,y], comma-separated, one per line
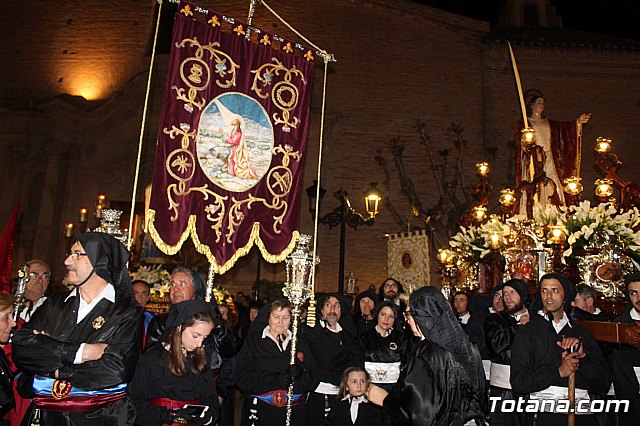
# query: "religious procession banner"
[231,142]
[408,258]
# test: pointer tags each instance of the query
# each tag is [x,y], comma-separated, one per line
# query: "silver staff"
[298,289]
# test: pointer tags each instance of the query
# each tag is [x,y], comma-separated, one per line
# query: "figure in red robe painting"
[238,161]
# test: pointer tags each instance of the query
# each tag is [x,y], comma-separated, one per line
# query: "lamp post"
[344,215]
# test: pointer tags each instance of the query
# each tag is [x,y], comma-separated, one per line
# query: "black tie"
[281,338]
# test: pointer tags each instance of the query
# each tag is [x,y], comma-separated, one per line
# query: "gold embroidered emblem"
[214,21]
[284,94]
[186,10]
[60,389]
[98,322]
[265,40]
[309,55]
[239,30]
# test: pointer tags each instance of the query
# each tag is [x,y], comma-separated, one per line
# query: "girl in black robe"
[353,408]
[176,373]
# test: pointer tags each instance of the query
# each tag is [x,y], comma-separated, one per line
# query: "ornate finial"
[110,224]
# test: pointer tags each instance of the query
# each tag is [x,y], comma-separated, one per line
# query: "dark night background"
[611,17]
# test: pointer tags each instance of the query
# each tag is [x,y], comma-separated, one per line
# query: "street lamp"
[344,215]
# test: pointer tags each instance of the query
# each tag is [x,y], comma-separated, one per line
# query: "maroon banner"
[231,143]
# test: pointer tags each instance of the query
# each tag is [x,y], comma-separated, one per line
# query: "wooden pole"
[571,421]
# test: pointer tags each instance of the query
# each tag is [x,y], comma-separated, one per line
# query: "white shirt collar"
[109,293]
[464,319]
[338,328]
[26,314]
[386,333]
[520,315]
[557,325]
[355,404]
[597,311]
[282,346]
[634,314]
[84,308]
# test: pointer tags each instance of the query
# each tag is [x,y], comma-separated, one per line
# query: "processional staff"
[298,289]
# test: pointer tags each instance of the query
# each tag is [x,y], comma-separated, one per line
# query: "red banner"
[231,143]
[6,252]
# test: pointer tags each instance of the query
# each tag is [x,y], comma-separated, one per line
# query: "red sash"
[76,404]
[173,404]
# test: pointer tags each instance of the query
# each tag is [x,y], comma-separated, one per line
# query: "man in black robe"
[362,311]
[472,323]
[584,306]
[81,346]
[332,343]
[549,348]
[500,330]
[625,362]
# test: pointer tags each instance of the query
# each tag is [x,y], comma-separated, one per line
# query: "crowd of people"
[92,355]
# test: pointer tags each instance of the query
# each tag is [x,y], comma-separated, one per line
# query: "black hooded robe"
[535,359]
[333,353]
[500,330]
[154,380]
[362,323]
[260,365]
[42,354]
[442,385]
[625,382]
[118,324]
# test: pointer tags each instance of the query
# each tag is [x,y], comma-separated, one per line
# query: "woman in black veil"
[444,382]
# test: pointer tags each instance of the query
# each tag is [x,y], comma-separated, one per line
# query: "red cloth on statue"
[566,147]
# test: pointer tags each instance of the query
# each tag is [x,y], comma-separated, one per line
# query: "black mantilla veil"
[181,312]
[109,258]
[437,322]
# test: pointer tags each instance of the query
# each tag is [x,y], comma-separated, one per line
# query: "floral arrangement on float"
[157,277]
[588,227]
[599,243]
[222,295]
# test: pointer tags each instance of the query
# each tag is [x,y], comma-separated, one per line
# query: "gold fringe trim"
[254,238]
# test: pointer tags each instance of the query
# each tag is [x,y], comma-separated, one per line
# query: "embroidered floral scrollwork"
[284,94]
[279,181]
[180,165]
[196,73]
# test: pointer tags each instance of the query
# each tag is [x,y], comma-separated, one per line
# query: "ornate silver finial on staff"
[23,277]
[110,224]
[298,289]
